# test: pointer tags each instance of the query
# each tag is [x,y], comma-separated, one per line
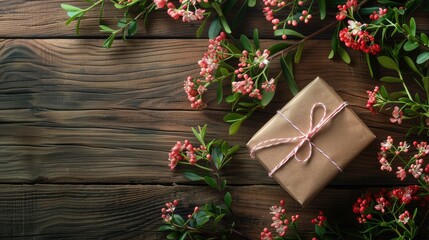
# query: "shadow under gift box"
[337,142]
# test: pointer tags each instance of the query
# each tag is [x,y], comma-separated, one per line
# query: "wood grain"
[133,211]
[14,22]
[73,112]
[46,19]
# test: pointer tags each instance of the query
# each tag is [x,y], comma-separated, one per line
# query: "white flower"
[355,27]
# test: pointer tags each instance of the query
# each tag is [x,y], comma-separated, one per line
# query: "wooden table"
[85,132]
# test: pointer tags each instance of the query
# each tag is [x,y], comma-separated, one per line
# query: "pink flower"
[397,115]
[381,204]
[401,174]
[385,165]
[404,217]
[372,99]
[269,86]
[160,3]
[386,145]
[266,235]
[415,169]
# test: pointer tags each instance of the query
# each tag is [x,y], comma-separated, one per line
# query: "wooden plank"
[73,112]
[15,23]
[133,211]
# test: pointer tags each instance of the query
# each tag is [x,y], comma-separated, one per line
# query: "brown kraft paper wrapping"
[342,139]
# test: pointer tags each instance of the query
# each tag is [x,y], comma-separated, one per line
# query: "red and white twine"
[304,138]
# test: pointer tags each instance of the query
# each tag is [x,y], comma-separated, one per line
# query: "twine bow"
[303,138]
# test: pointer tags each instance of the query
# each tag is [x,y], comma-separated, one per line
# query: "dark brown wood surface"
[85,132]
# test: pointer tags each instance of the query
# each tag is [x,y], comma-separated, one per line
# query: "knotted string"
[304,138]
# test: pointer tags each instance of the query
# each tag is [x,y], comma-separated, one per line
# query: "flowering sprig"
[205,11]
[406,104]
[245,68]
[390,214]
[209,157]
[209,221]
[286,227]
[392,157]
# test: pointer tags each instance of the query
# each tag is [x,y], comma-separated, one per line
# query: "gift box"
[310,140]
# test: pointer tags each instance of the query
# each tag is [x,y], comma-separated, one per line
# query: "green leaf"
[227,199]
[383,92]
[202,26]
[217,157]
[267,97]
[132,28]
[219,92]
[177,219]
[73,16]
[198,136]
[232,98]
[251,3]
[109,41]
[225,24]
[424,38]
[298,53]
[422,58]
[173,236]
[192,176]
[245,42]
[331,54]
[233,48]
[288,75]
[322,9]
[410,46]
[218,218]
[106,29]
[288,32]
[256,38]
[344,55]
[232,117]
[278,47]
[184,235]
[164,228]
[413,27]
[70,8]
[214,28]
[387,62]
[233,149]
[233,129]
[211,182]
[218,9]
[411,64]
[389,79]
[425,81]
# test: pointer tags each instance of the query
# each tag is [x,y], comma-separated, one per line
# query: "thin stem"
[295,45]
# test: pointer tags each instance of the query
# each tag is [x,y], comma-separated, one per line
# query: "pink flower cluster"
[415,166]
[360,207]
[273,6]
[360,40]
[247,86]
[376,15]
[183,11]
[342,9]
[372,99]
[183,151]
[168,210]
[195,88]
[383,200]
[320,219]
[280,221]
